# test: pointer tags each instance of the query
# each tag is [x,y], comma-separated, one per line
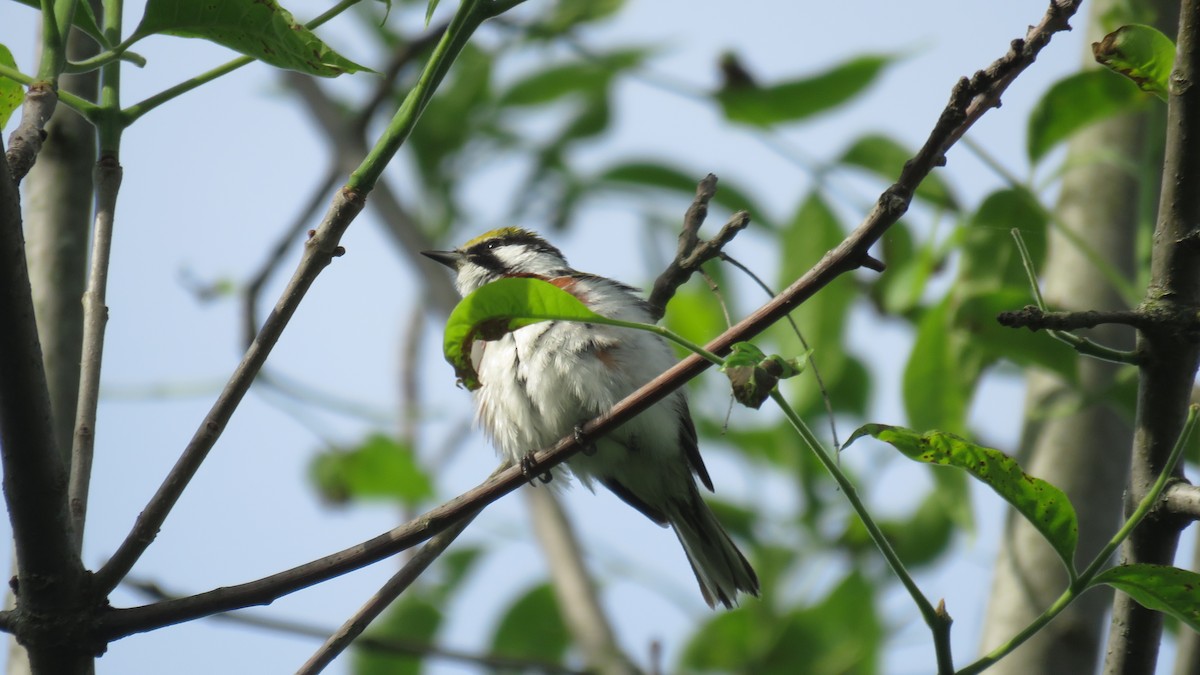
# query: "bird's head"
[505,252]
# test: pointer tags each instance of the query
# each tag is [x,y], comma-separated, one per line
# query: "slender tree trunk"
[1072,438]
[58,214]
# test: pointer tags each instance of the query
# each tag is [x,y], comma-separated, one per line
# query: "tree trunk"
[58,214]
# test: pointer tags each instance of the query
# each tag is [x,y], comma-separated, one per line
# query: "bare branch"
[1183,499]
[1188,319]
[693,251]
[95,317]
[49,571]
[342,637]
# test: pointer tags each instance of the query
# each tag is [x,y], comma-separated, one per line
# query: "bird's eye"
[492,245]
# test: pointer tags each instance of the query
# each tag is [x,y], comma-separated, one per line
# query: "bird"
[539,383]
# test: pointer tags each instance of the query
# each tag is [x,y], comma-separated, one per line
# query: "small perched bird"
[540,382]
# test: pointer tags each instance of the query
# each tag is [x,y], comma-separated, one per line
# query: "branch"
[693,251]
[1035,319]
[95,317]
[349,631]
[1171,356]
[1183,499]
[49,571]
[969,101]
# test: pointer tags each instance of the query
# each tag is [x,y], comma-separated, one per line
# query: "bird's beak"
[451,259]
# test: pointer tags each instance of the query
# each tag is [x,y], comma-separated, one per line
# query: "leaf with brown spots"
[1043,505]
[1159,587]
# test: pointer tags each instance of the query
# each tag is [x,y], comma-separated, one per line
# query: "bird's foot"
[586,447]
[529,469]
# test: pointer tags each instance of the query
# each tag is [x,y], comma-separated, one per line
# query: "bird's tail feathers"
[720,567]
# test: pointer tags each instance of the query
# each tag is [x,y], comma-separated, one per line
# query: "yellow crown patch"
[498,233]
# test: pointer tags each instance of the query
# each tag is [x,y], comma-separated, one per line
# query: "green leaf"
[991,259]
[257,28]
[429,11]
[412,620]
[936,387]
[1141,53]
[590,78]
[378,468]
[797,99]
[811,233]
[1159,587]
[499,308]
[899,290]
[841,635]
[533,628]
[11,93]
[695,313]
[661,176]
[1043,505]
[885,158]
[1075,102]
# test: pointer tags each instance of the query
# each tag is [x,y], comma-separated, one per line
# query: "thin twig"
[95,318]
[353,627]
[693,251]
[322,247]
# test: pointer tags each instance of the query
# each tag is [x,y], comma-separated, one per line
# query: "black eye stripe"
[485,258]
[527,239]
